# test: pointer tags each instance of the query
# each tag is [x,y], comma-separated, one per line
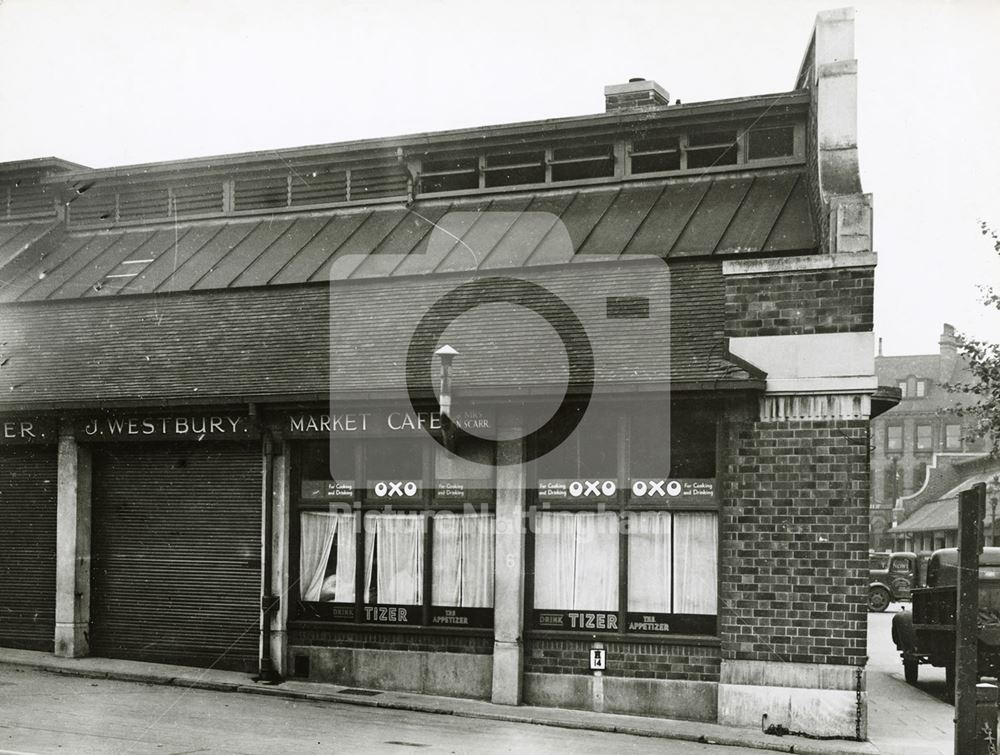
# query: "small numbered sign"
[597,660]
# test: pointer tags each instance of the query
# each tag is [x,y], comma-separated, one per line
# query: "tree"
[983,359]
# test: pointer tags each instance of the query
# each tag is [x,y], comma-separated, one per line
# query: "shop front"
[175,537]
[27,532]
[392,543]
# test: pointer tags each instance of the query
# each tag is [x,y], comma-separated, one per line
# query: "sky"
[104,83]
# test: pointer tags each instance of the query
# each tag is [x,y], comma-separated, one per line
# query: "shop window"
[376,546]
[394,558]
[643,559]
[764,143]
[672,562]
[953,437]
[894,437]
[590,451]
[463,546]
[924,438]
[688,436]
[576,561]
[327,556]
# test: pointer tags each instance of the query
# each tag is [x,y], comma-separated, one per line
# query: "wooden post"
[971,510]
[986,718]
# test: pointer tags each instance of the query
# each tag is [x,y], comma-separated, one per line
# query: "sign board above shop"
[196,427]
[381,421]
[16,431]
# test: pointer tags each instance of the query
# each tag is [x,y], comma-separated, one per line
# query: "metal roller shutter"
[176,554]
[28,548]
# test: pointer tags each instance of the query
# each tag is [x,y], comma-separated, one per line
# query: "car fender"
[883,585]
[902,631]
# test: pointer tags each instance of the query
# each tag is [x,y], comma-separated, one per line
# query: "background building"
[908,439]
[221,438]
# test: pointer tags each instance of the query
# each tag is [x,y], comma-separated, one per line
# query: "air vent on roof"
[26,198]
[320,185]
[198,198]
[706,150]
[95,205]
[513,168]
[656,153]
[260,192]
[583,161]
[377,182]
[450,174]
[142,203]
[778,141]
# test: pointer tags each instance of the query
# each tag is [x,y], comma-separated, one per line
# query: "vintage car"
[926,634]
[891,576]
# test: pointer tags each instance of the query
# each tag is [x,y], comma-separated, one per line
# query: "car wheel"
[911,669]
[878,599]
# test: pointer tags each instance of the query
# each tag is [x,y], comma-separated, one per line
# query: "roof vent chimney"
[948,345]
[637,94]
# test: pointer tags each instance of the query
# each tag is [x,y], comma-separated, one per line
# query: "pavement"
[231,681]
[903,718]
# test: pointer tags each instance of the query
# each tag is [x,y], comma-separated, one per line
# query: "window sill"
[698,640]
[350,626]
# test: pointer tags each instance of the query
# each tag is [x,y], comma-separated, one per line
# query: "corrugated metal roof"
[276,342]
[763,213]
[16,237]
[940,515]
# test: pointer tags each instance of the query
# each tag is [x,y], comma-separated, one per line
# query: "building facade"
[223,441]
[919,433]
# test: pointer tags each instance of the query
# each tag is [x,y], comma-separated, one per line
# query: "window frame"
[693,628]
[957,445]
[427,505]
[917,447]
[888,437]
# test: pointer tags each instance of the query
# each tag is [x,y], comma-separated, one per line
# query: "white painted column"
[508,612]
[281,485]
[72,547]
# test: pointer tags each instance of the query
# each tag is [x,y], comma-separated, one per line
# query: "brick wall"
[795,542]
[626,659]
[330,636]
[816,301]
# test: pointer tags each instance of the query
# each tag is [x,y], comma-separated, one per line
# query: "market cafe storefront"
[394,551]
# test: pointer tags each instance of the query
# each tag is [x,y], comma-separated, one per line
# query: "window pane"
[590,451]
[902,389]
[696,538]
[921,388]
[895,438]
[924,437]
[649,561]
[327,557]
[389,459]
[953,436]
[394,558]
[463,560]
[576,561]
[771,142]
